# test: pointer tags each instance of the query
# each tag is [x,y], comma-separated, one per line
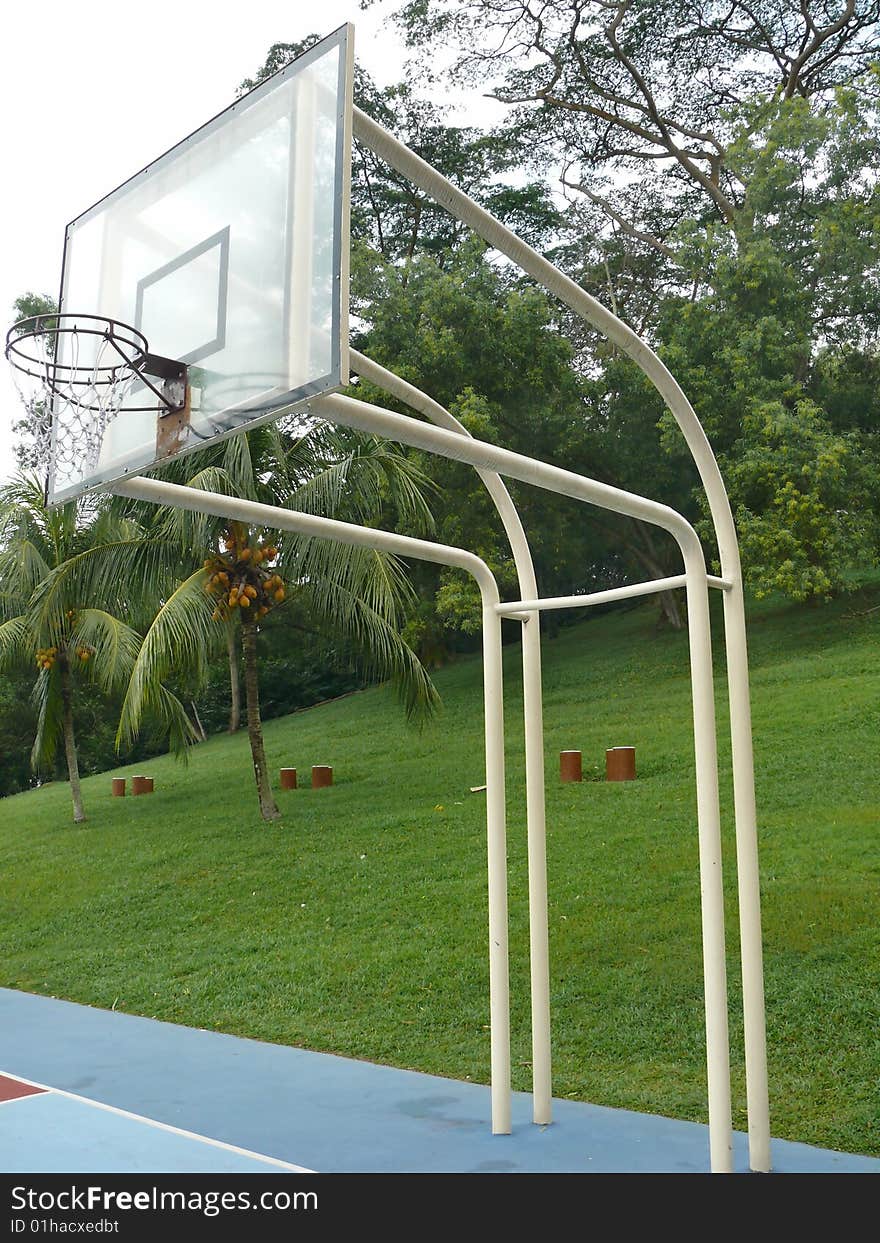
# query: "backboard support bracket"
[173,425]
[173,392]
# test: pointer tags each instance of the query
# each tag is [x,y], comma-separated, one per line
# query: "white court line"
[160,1126]
[13,1100]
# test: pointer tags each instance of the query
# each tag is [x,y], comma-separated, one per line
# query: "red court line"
[11,1089]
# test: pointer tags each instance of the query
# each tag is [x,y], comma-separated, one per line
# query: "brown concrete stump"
[118,785]
[322,775]
[620,764]
[148,785]
[141,785]
[570,766]
[288,778]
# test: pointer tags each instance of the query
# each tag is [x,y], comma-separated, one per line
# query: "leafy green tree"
[31,431]
[359,594]
[397,219]
[795,301]
[485,345]
[78,637]
[18,726]
[722,165]
[640,102]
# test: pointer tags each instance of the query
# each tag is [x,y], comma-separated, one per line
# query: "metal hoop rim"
[121,336]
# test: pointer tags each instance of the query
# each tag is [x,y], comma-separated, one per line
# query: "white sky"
[93,90]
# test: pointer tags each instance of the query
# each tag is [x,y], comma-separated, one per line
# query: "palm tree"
[79,636]
[244,574]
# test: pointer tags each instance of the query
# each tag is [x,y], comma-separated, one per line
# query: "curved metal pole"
[482,222]
[368,418]
[251,512]
[533,712]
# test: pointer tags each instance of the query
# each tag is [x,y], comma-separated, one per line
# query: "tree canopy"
[716,173]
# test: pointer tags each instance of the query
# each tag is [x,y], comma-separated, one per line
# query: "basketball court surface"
[84,1090]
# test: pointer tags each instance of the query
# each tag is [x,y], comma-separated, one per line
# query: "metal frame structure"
[449,439]
[460,205]
[352,413]
[357,414]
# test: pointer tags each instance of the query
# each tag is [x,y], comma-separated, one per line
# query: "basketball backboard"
[229,253]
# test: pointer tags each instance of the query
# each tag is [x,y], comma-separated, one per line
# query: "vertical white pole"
[711,888]
[748,879]
[499,981]
[539,951]
[539,959]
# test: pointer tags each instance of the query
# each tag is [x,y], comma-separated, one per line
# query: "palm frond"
[353,476]
[191,531]
[392,477]
[172,722]
[385,653]
[23,517]
[22,566]
[269,452]
[113,527]
[239,463]
[116,646]
[379,578]
[47,698]
[323,491]
[16,642]
[23,492]
[181,637]
[124,578]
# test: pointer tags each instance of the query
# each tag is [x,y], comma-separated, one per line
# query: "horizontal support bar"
[518,608]
[276,518]
[593,597]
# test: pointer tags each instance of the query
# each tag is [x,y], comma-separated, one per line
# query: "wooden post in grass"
[288,778]
[118,787]
[570,766]
[620,764]
[322,775]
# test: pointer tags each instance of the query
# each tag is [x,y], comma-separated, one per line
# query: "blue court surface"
[84,1090]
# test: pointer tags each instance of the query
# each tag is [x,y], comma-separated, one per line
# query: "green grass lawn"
[358,923]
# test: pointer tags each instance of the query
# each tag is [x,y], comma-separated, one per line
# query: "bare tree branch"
[621,222]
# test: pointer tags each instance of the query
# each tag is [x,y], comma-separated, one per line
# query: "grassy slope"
[357,924]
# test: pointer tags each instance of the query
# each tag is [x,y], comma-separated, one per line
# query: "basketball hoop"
[80,370]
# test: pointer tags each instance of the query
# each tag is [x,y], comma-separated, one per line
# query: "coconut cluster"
[47,656]
[242,577]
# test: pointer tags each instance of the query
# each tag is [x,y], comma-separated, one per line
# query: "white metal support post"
[275,518]
[533,711]
[387,147]
[352,413]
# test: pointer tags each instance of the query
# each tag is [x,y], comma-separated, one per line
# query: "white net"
[68,406]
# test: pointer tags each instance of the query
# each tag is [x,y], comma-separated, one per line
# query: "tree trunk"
[200,729]
[69,740]
[669,605]
[234,680]
[268,807]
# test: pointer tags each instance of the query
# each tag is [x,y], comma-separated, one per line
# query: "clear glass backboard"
[230,254]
